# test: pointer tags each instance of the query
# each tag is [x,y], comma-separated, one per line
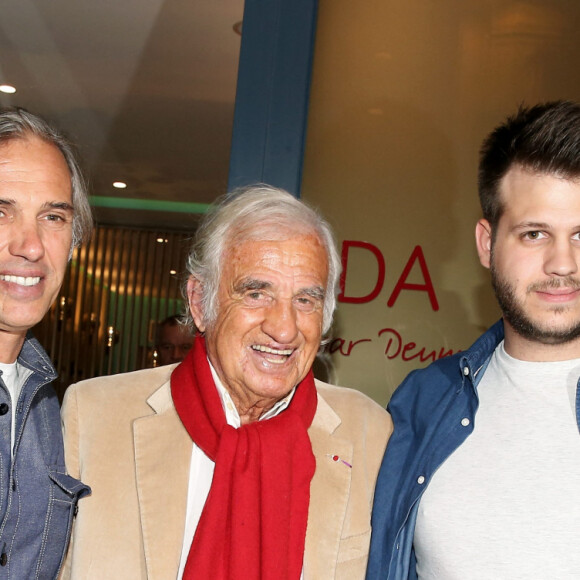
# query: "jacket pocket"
[353,547]
[72,487]
[65,492]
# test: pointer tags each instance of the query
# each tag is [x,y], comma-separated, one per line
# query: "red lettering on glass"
[395,347]
[338,343]
[402,284]
[346,245]
[390,342]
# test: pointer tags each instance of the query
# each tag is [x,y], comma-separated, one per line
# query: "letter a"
[402,284]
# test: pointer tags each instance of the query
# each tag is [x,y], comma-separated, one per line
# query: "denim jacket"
[37,498]
[433,412]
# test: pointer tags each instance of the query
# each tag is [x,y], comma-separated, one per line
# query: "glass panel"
[116,291]
[403,93]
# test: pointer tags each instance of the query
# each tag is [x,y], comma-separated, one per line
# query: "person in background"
[235,464]
[479,479]
[44,213]
[174,339]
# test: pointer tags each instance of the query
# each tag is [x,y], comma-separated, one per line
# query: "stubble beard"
[514,314]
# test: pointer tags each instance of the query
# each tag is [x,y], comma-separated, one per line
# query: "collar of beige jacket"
[162,458]
[163,454]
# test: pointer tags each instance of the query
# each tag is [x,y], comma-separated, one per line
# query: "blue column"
[272,93]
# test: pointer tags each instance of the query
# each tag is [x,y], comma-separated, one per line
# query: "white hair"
[258,212]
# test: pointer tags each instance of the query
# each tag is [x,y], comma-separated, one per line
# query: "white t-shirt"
[506,504]
[14,376]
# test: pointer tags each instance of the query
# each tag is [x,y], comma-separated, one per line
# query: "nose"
[280,321]
[26,242]
[561,259]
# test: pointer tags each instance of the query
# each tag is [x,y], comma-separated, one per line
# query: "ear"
[483,237]
[194,297]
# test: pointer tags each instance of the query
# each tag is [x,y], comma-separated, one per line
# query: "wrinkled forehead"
[302,249]
[31,159]
[269,230]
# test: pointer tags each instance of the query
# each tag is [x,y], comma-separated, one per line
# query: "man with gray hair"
[44,213]
[236,463]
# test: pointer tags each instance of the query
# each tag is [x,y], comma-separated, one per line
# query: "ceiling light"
[173,272]
[160,240]
[7,89]
[119,184]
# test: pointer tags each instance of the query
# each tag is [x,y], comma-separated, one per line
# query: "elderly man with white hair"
[236,463]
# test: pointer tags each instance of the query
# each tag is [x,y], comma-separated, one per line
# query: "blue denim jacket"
[37,498]
[433,412]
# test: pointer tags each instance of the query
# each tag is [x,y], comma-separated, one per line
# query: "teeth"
[276,361]
[269,350]
[21,280]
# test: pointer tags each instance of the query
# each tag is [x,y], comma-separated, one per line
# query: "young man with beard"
[480,476]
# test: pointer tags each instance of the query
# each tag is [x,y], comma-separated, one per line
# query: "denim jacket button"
[3,410]
[3,559]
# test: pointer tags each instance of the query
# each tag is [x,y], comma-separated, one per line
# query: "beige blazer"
[123,438]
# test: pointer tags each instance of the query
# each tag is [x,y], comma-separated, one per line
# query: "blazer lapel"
[162,458]
[329,493]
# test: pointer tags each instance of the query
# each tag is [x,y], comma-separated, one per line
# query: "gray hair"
[257,212]
[17,123]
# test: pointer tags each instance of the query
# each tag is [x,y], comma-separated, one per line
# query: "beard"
[513,310]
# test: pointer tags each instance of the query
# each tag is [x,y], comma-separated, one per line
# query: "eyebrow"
[58,205]
[316,292]
[63,205]
[535,225]
[251,284]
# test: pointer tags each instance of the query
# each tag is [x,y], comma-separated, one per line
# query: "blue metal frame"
[272,93]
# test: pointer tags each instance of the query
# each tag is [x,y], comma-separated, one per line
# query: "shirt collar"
[232,415]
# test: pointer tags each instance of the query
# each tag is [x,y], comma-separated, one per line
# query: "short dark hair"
[544,138]
[174,320]
[18,123]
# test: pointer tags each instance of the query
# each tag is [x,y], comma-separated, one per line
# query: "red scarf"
[253,524]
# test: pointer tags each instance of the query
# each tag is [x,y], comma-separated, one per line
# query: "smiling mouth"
[273,355]
[21,280]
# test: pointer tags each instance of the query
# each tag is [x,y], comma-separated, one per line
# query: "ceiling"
[145,89]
